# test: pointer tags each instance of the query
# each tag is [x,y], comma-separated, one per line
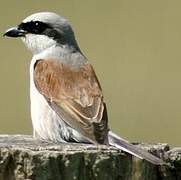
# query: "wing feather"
[75,95]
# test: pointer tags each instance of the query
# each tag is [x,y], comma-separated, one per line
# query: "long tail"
[124,145]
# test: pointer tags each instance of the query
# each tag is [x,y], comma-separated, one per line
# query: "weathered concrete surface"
[22,157]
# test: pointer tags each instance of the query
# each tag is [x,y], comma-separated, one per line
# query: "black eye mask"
[34,27]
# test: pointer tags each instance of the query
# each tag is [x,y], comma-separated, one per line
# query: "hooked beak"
[15,32]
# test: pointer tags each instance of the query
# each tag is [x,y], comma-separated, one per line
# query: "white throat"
[44,47]
[37,43]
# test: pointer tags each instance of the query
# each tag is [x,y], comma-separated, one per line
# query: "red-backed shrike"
[67,103]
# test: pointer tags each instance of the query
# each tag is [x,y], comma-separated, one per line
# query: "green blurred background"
[134,47]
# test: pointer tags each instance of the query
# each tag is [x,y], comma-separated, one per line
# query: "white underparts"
[47,125]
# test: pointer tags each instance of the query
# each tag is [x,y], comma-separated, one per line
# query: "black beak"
[15,32]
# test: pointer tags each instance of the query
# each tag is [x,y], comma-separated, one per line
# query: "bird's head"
[43,30]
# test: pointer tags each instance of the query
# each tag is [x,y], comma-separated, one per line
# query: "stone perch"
[23,158]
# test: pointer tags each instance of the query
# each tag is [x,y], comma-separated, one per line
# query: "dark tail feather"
[124,145]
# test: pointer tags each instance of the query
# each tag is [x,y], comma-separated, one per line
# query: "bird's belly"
[46,123]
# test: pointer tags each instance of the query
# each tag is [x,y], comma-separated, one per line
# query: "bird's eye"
[34,27]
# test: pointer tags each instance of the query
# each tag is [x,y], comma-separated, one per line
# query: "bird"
[67,102]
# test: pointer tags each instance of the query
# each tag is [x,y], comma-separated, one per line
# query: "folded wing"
[75,95]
